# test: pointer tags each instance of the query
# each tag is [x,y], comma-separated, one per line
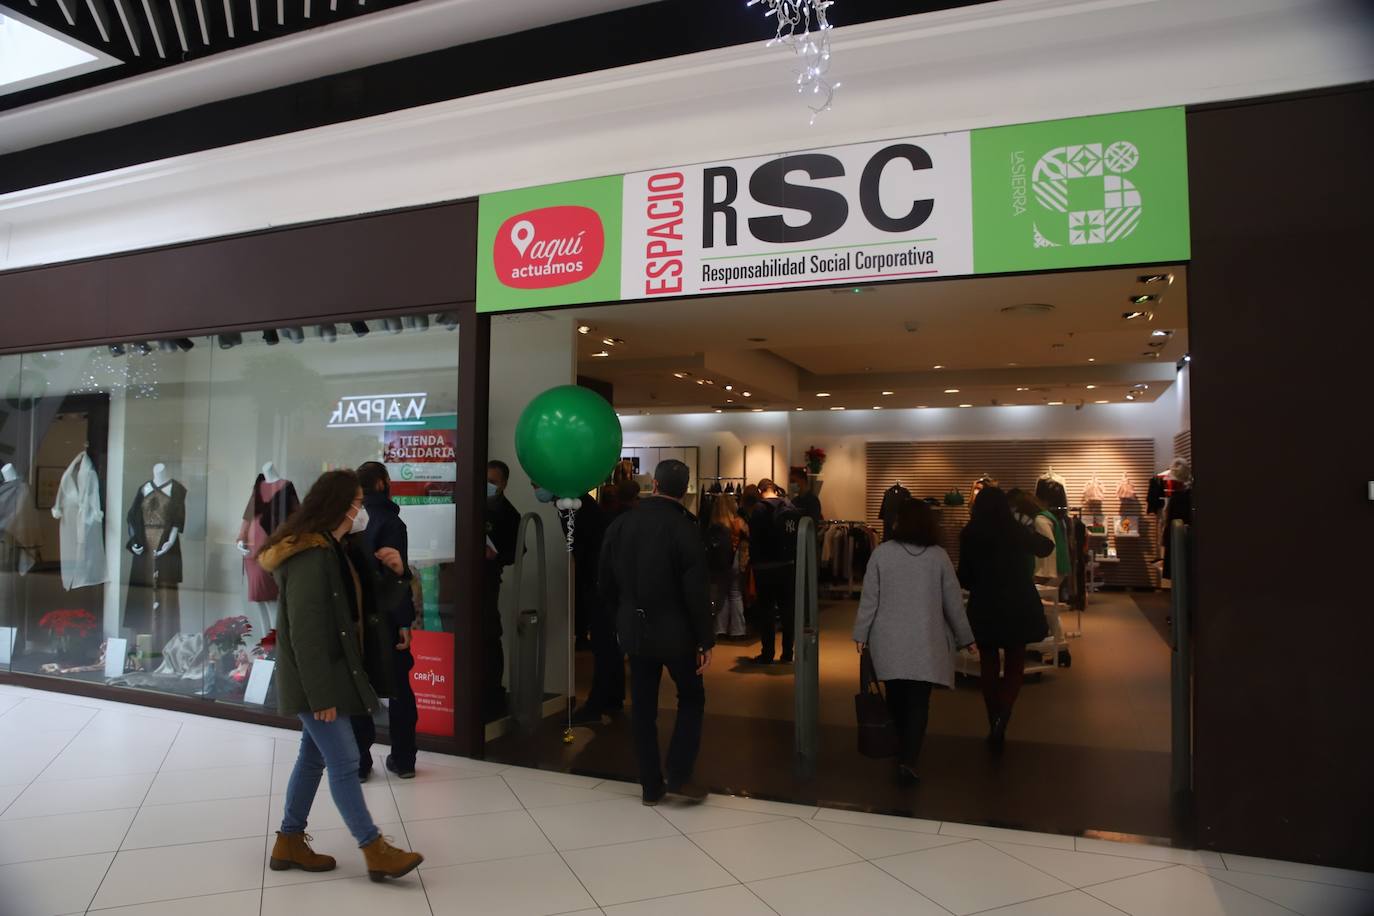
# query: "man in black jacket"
[503,530]
[386,530]
[653,572]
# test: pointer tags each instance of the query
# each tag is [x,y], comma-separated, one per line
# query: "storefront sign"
[421,460]
[361,410]
[432,681]
[1095,191]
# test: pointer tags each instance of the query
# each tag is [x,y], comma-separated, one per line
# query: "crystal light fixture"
[804,27]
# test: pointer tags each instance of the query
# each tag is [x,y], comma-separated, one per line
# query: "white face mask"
[359,522]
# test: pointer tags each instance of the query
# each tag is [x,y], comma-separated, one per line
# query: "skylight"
[31,55]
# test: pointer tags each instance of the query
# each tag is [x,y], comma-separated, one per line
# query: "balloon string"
[570,516]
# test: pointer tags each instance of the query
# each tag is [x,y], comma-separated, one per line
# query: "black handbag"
[877,731]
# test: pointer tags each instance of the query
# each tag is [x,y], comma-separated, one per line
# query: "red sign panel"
[552,246]
[432,681]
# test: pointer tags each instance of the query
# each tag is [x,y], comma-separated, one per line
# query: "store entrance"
[1070,387]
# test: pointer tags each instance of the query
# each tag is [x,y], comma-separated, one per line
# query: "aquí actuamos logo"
[551,246]
[1090,199]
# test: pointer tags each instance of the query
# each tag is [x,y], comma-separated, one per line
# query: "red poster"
[432,681]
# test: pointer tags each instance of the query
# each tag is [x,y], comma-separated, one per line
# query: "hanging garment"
[81,537]
[1125,491]
[268,507]
[1092,491]
[154,603]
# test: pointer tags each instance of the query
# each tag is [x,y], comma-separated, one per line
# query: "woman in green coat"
[327,631]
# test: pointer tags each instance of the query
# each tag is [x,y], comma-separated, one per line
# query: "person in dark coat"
[503,531]
[607,692]
[385,529]
[996,565]
[653,572]
[330,633]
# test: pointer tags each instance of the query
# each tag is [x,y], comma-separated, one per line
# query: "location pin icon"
[521,234]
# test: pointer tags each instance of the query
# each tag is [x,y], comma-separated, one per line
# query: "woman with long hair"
[729,530]
[911,618]
[332,648]
[996,564]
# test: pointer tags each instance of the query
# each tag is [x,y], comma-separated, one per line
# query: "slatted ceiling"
[935,468]
[1183,446]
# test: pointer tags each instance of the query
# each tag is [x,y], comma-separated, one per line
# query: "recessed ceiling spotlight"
[1092,359]
[1023,389]
[1143,298]
[757,409]
[1130,397]
[920,407]
[937,367]
[584,329]
[729,400]
[1156,278]
[876,407]
[718,410]
[710,381]
[602,355]
[1103,402]
[1132,316]
[1090,387]
[888,394]
[1187,357]
[951,391]
[837,408]
[729,387]
[801,408]
[965,405]
[747,394]
[681,374]
[1151,354]
[612,341]
[701,381]
[1160,332]
[1056,403]
[822,394]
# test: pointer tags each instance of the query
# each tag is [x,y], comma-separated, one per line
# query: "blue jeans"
[328,745]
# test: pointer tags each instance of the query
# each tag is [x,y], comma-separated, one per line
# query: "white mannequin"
[8,473]
[269,474]
[160,480]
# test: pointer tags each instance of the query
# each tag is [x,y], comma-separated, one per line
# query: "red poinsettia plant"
[227,633]
[815,459]
[267,647]
[70,622]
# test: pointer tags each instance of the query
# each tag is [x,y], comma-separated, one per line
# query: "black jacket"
[385,529]
[653,572]
[503,527]
[998,570]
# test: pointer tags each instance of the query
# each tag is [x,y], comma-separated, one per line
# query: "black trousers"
[607,692]
[645,675]
[777,601]
[909,704]
[402,715]
[493,651]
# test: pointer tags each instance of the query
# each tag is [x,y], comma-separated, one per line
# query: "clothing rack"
[848,587]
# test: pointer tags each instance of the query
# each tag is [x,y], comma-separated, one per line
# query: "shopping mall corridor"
[115,809]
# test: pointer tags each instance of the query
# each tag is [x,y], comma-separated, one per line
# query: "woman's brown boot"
[386,861]
[292,850]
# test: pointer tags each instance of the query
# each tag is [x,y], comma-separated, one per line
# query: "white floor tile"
[100,793]
[85,763]
[971,877]
[51,887]
[1074,903]
[700,818]
[325,816]
[1079,869]
[1176,890]
[528,886]
[762,806]
[204,749]
[29,756]
[1305,897]
[206,785]
[878,842]
[9,793]
[736,900]
[348,897]
[427,759]
[86,833]
[239,903]
[428,801]
[198,822]
[1201,857]
[1318,873]
[601,823]
[538,794]
[338,843]
[173,872]
[1002,835]
[39,715]
[617,787]
[562,779]
[858,888]
[476,838]
[785,847]
[653,868]
[890,821]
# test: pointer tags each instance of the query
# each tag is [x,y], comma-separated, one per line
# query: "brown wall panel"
[402,261]
[1280,319]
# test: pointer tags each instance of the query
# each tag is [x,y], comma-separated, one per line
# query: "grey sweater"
[912,614]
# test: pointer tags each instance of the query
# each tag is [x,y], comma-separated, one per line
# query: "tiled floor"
[127,811]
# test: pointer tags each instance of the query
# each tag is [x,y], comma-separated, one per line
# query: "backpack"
[720,549]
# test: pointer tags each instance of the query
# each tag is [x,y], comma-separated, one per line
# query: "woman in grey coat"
[911,619]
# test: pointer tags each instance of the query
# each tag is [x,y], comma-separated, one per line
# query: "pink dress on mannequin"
[268,507]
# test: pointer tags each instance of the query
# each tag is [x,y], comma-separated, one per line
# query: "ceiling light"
[876,407]
[1013,364]
[747,394]
[701,381]
[837,408]
[1132,316]
[937,367]
[729,400]
[822,394]
[1160,332]
[801,408]
[729,387]
[602,355]
[1187,357]
[951,391]
[1031,308]
[584,329]
[757,410]
[1092,359]
[1090,387]
[612,341]
[718,410]
[1130,397]
[1023,389]
[680,375]
[1056,403]
[1103,402]
[965,405]
[888,394]
[1156,278]
[359,328]
[1143,298]
[1158,343]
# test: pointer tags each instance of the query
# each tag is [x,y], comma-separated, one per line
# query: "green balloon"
[568,440]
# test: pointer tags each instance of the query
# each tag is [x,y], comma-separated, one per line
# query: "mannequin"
[82,532]
[272,500]
[18,539]
[155,522]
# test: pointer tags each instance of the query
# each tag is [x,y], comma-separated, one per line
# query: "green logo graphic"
[1085,192]
[553,245]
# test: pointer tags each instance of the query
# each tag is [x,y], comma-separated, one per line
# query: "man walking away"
[773,547]
[386,530]
[653,572]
